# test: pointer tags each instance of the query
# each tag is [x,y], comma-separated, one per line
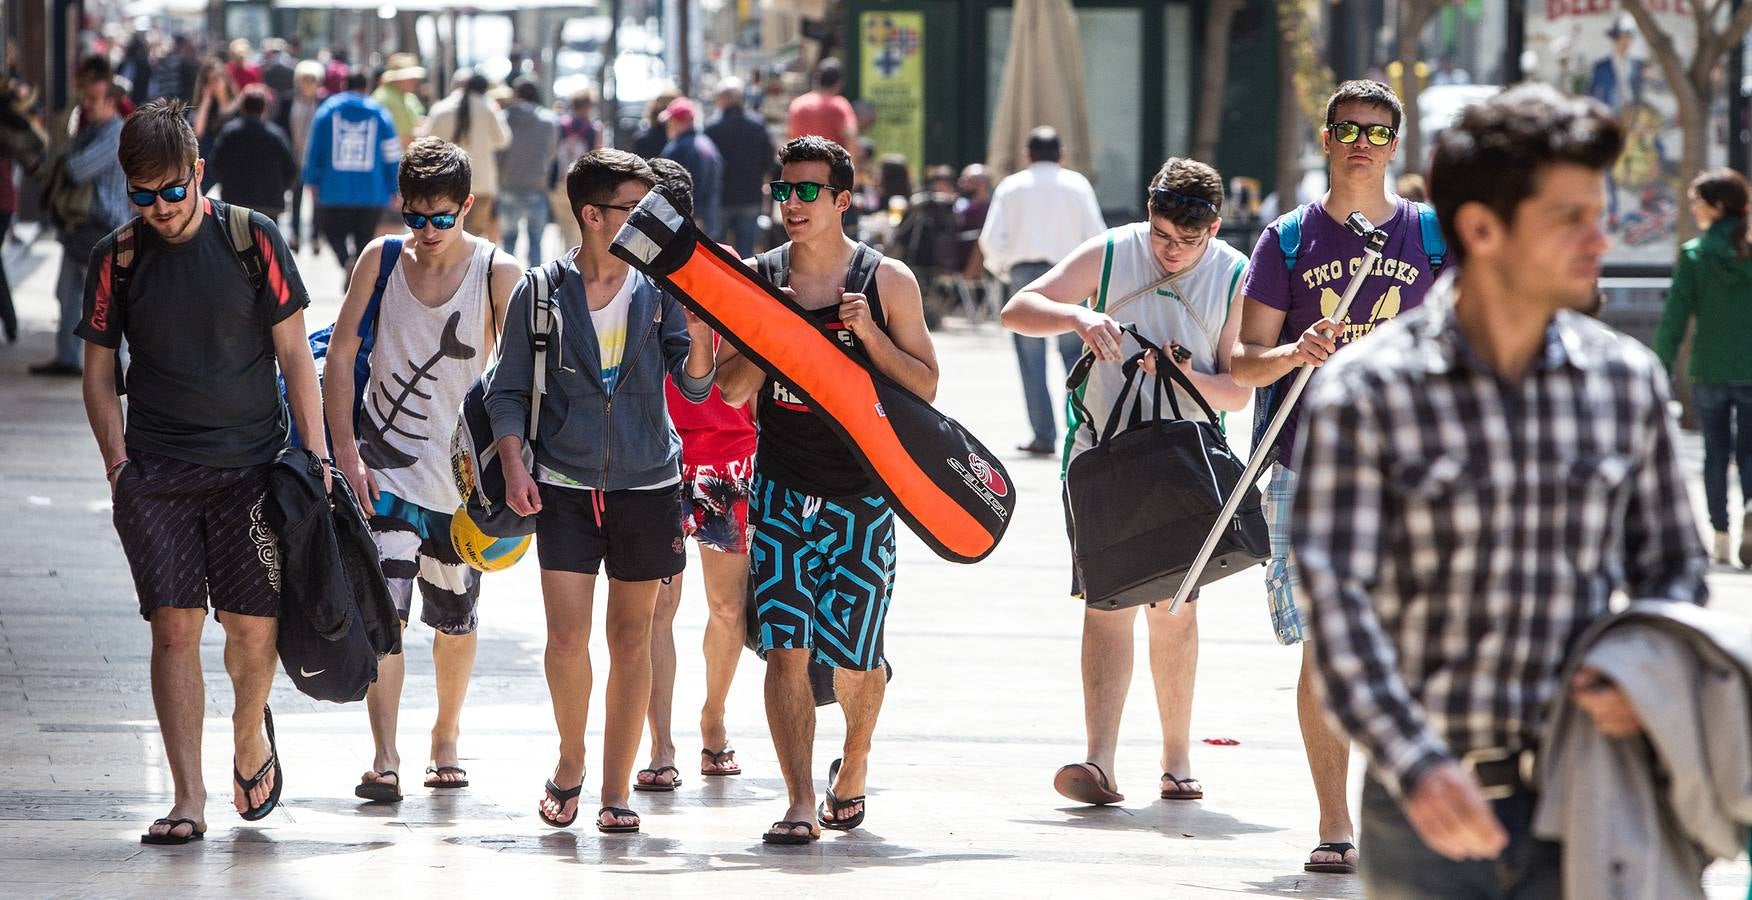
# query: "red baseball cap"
[681,108]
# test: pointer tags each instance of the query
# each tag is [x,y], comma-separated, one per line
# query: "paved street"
[984,706]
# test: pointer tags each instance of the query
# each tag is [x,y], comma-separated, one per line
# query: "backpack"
[1289,226]
[319,339]
[474,453]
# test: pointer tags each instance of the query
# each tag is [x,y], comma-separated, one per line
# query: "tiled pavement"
[985,705]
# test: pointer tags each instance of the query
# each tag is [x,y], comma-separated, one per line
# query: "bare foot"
[251,757]
[192,809]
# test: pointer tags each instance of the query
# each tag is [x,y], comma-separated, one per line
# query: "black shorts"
[637,533]
[197,535]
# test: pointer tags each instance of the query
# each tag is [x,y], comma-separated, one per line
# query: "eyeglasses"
[1174,204]
[1173,241]
[807,191]
[611,206]
[440,221]
[176,193]
[1348,132]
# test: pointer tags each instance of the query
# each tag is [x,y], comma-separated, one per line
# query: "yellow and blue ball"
[482,551]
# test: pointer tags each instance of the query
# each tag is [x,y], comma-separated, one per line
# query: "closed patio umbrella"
[1043,85]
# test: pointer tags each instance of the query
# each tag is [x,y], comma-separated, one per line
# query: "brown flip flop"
[1085,783]
[1180,791]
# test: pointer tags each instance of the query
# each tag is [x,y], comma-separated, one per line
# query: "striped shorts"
[413,544]
[1282,580]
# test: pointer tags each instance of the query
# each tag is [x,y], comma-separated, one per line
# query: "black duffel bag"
[1142,500]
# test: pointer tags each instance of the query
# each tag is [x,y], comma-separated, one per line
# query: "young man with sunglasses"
[606,484]
[823,566]
[440,312]
[1298,271]
[188,463]
[1180,284]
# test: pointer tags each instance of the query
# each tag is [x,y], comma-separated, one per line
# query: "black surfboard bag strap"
[941,481]
[1142,499]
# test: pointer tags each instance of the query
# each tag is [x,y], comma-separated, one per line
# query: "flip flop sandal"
[658,787]
[787,837]
[718,758]
[378,790]
[1180,791]
[173,840]
[441,771]
[828,813]
[618,813]
[560,797]
[1084,782]
[1333,868]
[261,812]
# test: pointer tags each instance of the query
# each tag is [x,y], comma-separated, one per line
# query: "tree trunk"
[610,105]
[1208,131]
[1289,113]
[1694,126]
[1413,16]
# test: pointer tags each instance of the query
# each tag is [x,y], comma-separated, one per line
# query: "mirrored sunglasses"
[807,191]
[440,221]
[1348,132]
[175,193]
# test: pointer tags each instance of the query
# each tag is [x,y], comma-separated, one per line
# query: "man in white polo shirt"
[1037,217]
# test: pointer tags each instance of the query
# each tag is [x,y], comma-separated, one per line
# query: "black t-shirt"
[797,447]
[201,372]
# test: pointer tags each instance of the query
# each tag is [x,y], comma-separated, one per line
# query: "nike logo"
[309,674]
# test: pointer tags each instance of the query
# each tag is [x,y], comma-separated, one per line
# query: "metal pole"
[1377,242]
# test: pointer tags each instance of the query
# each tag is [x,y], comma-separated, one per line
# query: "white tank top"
[425,359]
[1190,309]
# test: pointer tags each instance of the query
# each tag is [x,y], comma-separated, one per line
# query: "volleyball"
[481,550]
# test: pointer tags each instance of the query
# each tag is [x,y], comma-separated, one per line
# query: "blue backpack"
[1289,226]
[319,339]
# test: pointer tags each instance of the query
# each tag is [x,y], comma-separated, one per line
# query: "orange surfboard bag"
[939,478]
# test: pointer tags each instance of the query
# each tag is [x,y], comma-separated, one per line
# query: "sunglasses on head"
[1174,204]
[440,221]
[1348,132]
[175,193]
[807,191]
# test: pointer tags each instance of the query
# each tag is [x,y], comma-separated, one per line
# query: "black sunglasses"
[1171,203]
[440,221]
[176,193]
[1348,132]
[807,191]
[612,206]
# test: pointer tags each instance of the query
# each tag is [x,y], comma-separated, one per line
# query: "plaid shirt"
[1456,532]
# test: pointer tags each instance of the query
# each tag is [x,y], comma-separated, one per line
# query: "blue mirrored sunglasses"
[440,221]
[176,193]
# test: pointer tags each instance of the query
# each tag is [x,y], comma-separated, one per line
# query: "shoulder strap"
[1435,245]
[775,265]
[389,254]
[541,326]
[243,243]
[1289,226]
[861,273]
[122,260]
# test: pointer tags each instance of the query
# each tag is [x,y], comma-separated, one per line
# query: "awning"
[1043,85]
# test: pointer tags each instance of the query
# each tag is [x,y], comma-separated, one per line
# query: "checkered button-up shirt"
[1457,531]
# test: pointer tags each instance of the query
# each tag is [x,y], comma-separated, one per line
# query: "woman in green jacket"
[1712,282]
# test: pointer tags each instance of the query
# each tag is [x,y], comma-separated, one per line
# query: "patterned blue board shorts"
[821,573]
[1282,579]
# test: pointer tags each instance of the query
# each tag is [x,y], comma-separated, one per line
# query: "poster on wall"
[893,80]
[1593,48]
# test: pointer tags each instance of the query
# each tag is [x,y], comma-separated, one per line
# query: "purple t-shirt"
[1330,255]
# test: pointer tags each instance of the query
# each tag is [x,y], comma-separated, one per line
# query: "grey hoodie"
[611,443]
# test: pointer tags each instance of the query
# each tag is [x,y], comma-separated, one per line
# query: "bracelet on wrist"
[116,467]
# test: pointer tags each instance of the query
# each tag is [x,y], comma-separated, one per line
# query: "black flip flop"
[380,791]
[835,804]
[1337,868]
[718,758]
[658,787]
[173,840]
[786,837]
[560,797]
[619,813]
[445,770]
[1180,791]
[259,813]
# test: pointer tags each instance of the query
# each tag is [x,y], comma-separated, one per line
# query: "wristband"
[116,468]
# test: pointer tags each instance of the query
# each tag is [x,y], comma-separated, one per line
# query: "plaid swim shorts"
[1282,580]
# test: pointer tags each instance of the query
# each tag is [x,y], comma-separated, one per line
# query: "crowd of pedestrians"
[1439,577]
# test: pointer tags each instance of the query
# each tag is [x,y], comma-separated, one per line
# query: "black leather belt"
[1501,772]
